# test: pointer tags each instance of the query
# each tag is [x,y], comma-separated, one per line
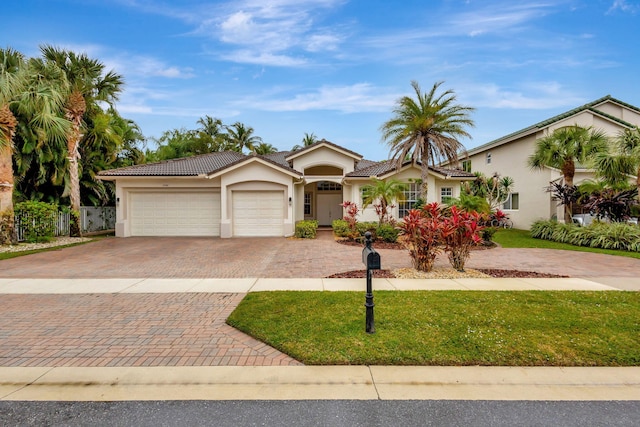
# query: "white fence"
[92,219]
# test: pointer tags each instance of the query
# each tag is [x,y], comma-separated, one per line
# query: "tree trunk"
[74,178]
[568,171]
[424,176]
[7,227]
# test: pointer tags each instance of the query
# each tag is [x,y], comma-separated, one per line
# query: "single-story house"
[508,156]
[229,194]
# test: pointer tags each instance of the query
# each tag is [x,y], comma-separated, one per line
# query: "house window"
[513,202]
[329,186]
[307,204]
[446,195]
[409,199]
[466,165]
[488,158]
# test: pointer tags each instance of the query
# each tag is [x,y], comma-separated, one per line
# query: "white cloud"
[624,6]
[360,97]
[531,96]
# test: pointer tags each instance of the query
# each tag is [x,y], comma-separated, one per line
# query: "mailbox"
[371,258]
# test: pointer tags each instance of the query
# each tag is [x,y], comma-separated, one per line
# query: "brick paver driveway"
[188,257]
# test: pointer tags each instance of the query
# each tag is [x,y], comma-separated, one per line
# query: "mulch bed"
[388,274]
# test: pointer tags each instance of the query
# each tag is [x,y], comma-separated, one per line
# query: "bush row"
[384,232]
[617,235]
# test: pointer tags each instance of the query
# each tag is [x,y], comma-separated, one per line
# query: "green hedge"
[307,229]
[602,235]
[386,232]
[38,220]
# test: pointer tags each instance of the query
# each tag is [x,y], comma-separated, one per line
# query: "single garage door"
[258,213]
[175,214]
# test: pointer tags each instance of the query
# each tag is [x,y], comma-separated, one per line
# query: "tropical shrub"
[619,236]
[341,228]
[460,233]
[387,233]
[351,214]
[422,235]
[307,229]
[37,220]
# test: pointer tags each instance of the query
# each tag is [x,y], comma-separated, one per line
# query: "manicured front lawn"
[522,239]
[448,327]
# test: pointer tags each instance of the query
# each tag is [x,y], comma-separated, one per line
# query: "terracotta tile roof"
[383,168]
[187,166]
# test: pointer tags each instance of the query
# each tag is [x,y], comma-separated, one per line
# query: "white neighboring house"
[230,194]
[508,156]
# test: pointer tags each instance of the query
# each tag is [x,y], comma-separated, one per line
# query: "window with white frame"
[488,158]
[466,165]
[329,186]
[446,195]
[513,202]
[409,199]
[307,204]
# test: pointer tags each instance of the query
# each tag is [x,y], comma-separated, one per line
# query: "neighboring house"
[230,194]
[508,157]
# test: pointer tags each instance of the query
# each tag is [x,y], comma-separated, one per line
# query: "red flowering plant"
[460,233]
[351,213]
[422,230]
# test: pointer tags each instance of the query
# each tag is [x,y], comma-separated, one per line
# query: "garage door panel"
[258,213]
[175,214]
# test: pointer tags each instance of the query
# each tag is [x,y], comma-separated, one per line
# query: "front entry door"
[329,208]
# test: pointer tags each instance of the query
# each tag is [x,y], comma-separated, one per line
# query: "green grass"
[522,239]
[9,255]
[520,328]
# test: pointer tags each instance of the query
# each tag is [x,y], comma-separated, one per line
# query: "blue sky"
[336,67]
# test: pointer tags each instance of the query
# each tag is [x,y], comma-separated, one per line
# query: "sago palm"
[426,129]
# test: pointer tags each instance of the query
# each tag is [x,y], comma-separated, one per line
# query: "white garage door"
[175,214]
[258,213]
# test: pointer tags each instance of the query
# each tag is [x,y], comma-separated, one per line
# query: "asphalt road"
[320,413]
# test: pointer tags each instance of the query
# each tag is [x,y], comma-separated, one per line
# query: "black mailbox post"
[371,259]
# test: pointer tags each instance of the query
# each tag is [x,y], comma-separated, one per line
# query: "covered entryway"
[258,213]
[184,213]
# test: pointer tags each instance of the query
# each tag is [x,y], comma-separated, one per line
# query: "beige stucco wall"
[510,159]
[126,185]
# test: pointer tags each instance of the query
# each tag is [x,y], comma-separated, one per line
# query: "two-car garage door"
[175,213]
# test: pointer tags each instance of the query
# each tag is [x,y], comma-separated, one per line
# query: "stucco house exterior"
[229,194]
[508,156]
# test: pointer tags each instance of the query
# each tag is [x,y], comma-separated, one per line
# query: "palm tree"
[240,136]
[565,147]
[264,148]
[384,192]
[307,140]
[615,167]
[425,130]
[89,86]
[31,99]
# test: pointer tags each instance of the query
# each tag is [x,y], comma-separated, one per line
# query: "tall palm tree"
[565,147]
[11,82]
[31,99]
[241,136]
[89,86]
[629,144]
[426,129]
[384,192]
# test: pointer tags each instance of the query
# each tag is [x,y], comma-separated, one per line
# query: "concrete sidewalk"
[153,285]
[320,383]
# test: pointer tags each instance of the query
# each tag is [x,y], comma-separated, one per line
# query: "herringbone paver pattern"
[127,330]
